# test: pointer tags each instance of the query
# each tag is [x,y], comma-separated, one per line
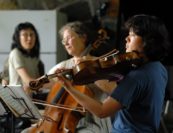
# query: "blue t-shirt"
[141,93]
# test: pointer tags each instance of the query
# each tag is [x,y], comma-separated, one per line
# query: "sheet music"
[2,109]
[6,95]
[19,103]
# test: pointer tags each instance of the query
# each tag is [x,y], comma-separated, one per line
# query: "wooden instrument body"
[61,120]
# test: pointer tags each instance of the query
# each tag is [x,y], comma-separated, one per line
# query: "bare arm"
[109,106]
[25,77]
[106,85]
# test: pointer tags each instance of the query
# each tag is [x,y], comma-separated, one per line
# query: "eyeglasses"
[65,40]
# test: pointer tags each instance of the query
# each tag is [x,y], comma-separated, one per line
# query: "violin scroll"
[37,84]
[102,37]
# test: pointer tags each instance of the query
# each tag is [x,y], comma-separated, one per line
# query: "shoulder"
[146,73]
[15,52]
[64,64]
[154,67]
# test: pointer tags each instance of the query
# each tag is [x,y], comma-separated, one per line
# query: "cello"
[111,64]
[62,120]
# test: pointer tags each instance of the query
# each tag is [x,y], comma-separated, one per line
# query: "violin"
[112,66]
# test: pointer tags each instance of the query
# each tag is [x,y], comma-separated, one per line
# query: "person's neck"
[75,58]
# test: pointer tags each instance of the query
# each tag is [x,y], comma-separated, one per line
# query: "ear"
[84,38]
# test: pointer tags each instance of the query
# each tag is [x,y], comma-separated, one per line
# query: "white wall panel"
[47,23]
[44,21]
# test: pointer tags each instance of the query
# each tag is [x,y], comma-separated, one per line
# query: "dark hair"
[154,34]
[78,27]
[16,41]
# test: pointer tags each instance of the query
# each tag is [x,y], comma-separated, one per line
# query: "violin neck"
[50,76]
[67,73]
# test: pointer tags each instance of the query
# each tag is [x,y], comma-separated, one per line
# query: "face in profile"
[73,43]
[134,43]
[27,39]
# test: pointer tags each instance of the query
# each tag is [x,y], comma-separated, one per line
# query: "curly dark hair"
[35,51]
[154,34]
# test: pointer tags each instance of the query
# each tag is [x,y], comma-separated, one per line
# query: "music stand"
[4,113]
[15,100]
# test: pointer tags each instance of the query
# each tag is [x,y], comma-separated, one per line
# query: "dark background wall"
[160,8]
[84,10]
